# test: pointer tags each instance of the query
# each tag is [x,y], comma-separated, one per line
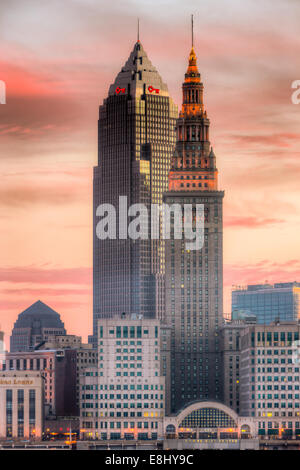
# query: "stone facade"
[124,397]
[21,404]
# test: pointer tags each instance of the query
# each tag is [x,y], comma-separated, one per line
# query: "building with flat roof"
[267,302]
[123,398]
[21,404]
[270,377]
[58,368]
[231,350]
[86,356]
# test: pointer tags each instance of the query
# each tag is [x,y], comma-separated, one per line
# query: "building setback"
[124,397]
[136,141]
[194,278]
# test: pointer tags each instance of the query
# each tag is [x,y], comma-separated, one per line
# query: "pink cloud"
[48,291]
[55,193]
[48,275]
[274,140]
[261,271]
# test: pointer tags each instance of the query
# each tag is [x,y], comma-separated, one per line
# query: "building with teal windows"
[270,378]
[124,397]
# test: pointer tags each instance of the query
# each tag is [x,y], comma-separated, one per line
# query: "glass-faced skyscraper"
[194,277]
[136,141]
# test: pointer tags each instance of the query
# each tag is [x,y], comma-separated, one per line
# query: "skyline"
[47,154]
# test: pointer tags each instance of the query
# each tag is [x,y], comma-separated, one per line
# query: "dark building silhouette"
[136,141]
[35,325]
[194,277]
[1,341]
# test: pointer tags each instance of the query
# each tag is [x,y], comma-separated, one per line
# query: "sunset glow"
[58,60]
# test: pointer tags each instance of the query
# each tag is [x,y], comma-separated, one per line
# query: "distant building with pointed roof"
[34,325]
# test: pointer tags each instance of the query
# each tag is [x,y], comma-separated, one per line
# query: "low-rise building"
[270,377]
[21,404]
[231,351]
[58,367]
[86,356]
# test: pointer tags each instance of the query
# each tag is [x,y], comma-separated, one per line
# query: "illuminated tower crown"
[193,165]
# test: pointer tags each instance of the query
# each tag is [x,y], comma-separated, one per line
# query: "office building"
[194,278]
[124,397]
[270,378]
[58,368]
[21,405]
[267,302]
[231,352]
[136,141]
[86,356]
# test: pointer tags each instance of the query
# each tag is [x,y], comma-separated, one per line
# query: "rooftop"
[39,315]
[137,72]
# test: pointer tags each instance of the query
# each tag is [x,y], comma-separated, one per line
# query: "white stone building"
[21,405]
[270,378]
[123,398]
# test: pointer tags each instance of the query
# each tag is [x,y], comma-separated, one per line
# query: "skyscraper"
[194,277]
[136,141]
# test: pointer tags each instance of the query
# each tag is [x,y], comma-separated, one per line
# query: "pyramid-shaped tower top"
[138,76]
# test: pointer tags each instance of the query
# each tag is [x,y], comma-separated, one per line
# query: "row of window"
[121,405]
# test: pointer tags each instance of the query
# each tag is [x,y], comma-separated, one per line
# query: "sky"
[58,59]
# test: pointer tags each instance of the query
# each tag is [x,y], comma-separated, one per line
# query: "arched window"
[208,418]
[170,429]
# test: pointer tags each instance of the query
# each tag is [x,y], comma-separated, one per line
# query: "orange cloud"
[250,222]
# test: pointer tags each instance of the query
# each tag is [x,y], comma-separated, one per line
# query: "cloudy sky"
[58,60]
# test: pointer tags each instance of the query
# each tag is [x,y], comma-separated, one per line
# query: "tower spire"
[138,30]
[193,134]
[192,29]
